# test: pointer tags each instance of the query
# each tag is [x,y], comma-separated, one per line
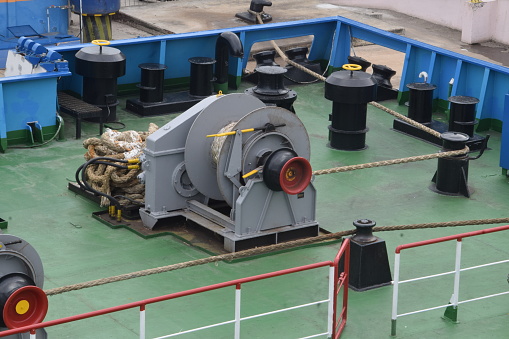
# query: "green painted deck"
[75,247]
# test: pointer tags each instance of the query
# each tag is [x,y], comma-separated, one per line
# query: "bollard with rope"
[353,67]
[263,250]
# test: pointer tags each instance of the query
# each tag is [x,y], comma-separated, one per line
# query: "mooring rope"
[322,78]
[379,106]
[263,250]
[406,119]
[392,162]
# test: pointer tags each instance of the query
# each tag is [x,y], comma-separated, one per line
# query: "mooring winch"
[233,149]
[22,300]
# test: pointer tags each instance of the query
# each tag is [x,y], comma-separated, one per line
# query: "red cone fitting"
[27,305]
[295,175]
[285,171]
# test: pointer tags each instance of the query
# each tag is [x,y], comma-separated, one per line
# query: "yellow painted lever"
[250,173]
[230,133]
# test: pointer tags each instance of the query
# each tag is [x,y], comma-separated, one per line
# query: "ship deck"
[75,247]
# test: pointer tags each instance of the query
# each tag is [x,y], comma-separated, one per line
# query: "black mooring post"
[356,60]
[100,67]
[256,6]
[350,92]
[201,77]
[420,103]
[451,177]
[271,88]
[152,81]
[369,263]
[462,114]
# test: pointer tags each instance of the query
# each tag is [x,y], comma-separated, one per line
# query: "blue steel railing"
[331,42]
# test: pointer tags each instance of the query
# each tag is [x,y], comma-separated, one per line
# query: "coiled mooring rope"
[108,179]
[217,143]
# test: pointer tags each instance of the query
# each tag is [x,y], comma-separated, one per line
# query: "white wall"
[501,24]
[490,22]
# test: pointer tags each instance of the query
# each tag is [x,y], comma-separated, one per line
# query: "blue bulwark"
[452,73]
[504,147]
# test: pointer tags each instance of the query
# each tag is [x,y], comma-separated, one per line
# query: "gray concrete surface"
[153,17]
[194,15]
[159,17]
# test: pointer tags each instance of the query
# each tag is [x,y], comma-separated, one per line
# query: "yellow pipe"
[112,211]
[119,215]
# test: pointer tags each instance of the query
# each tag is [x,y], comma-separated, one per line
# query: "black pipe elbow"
[227,44]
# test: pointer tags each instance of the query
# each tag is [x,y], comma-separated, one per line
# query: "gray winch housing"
[181,175]
[18,259]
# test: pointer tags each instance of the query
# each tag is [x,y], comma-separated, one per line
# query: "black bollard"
[353,59]
[369,263]
[151,85]
[383,75]
[100,67]
[202,75]
[462,114]
[451,177]
[201,86]
[151,100]
[265,58]
[296,75]
[271,89]
[256,6]
[420,104]
[350,92]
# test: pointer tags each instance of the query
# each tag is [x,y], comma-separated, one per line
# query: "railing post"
[395,294]
[32,334]
[142,322]
[451,312]
[237,311]
[341,281]
[457,270]
[330,313]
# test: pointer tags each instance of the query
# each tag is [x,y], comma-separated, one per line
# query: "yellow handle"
[230,133]
[352,67]
[100,42]
[250,173]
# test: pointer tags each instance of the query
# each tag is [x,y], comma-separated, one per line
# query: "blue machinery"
[44,20]
[331,43]
[37,54]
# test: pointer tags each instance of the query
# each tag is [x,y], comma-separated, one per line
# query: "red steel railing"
[338,279]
